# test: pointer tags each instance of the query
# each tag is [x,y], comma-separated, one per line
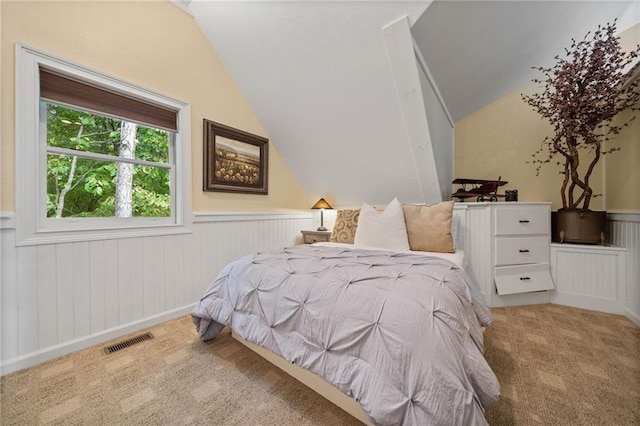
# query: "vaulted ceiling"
[319,76]
[478,51]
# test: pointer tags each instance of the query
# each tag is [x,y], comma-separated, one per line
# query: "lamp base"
[322,228]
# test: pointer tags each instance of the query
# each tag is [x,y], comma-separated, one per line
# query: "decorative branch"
[581,95]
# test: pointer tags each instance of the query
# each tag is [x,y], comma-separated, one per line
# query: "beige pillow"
[344,229]
[429,226]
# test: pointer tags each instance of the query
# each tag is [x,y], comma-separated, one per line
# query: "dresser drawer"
[521,250]
[310,237]
[521,220]
[523,279]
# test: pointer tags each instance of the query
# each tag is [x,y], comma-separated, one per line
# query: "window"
[112,159]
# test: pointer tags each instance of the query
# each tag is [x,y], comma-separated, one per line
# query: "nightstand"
[310,237]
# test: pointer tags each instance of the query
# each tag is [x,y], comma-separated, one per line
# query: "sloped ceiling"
[318,77]
[478,51]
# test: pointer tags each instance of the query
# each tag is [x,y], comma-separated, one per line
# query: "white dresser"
[507,245]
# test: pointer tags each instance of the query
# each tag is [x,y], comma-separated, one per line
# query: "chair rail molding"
[7,220]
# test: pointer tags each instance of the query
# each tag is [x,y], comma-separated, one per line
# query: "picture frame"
[234,160]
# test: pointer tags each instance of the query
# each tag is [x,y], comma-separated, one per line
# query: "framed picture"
[234,160]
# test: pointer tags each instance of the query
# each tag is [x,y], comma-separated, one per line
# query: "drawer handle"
[524,221]
[524,278]
[524,251]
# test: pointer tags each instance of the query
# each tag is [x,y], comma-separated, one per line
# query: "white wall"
[58,298]
[416,127]
[441,131]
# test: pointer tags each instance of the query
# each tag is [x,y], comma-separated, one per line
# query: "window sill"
[57,237]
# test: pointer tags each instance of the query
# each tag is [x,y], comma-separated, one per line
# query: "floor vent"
[126,343]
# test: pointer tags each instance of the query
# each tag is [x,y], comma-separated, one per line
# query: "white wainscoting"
[589,276]
[602,278]
[624,231]
[59,298]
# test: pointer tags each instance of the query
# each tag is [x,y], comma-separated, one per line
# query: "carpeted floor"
[564,366]
[556,365]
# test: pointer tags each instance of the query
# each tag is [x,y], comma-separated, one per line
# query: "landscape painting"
[235,161]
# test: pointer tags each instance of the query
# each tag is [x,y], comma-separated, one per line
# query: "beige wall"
[500,138]
[152,44]
[623,167]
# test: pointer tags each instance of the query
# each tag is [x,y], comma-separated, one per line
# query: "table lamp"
[322,204]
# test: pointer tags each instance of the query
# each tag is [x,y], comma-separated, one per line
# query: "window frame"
[32,225]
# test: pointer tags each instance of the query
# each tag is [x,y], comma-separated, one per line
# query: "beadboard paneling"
[624,231]
[589,276]
[9,313]
[590,280]
[58,298]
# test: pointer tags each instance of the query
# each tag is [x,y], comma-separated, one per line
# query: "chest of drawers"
[508,251]
[521,248]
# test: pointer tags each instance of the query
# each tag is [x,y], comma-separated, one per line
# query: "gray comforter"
[399,332]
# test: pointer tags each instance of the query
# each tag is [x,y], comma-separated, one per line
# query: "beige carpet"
[564,366]
[556,365]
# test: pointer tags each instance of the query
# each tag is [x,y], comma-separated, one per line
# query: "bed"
[399,332]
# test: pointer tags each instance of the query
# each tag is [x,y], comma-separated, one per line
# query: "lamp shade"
[322,204]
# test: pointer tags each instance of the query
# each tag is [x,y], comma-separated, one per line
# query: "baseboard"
[610,306]
[632,316]
[37,357]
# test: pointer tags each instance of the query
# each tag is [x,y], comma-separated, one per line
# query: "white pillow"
[385,230]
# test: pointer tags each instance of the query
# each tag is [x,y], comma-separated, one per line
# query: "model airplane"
[483,190]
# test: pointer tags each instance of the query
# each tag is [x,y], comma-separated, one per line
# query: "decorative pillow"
[385,230]
[344,229]
[429,226]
